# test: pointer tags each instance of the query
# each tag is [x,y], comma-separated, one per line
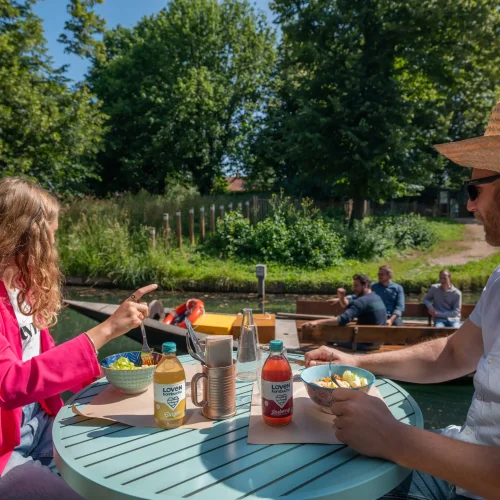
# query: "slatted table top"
[111,460]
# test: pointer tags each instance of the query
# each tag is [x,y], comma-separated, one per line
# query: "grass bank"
[128,260]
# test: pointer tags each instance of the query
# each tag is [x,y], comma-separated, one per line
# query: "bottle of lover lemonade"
[277,387]
[169,389]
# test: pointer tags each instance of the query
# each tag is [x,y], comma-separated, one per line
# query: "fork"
[330,366]
[146,352]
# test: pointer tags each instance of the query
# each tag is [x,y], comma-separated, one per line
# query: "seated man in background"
[444,302]
[391,294]
[368,308]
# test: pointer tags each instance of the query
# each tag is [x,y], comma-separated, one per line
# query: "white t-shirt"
[30,334]
[482,425]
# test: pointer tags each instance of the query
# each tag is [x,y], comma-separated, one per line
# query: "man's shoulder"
[435,286]
[398,286]
[372,297]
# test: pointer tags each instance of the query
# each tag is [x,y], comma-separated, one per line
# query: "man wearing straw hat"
[459,462]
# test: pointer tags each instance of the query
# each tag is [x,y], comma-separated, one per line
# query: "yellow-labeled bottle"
[170,389]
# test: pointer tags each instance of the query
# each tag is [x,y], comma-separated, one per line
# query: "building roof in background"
[236,183]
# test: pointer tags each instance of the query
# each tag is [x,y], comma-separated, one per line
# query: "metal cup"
[219,392]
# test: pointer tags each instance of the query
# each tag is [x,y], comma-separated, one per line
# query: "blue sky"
[124,12]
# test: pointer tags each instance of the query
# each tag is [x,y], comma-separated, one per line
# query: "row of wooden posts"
[167,232]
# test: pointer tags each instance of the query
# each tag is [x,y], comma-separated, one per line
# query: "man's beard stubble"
[491,221]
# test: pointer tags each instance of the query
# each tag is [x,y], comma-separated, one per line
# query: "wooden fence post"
[152,236]
[202,224]
[212,218]
[240,208]
[415,207]
[178,227]
[191,226]
[230,207]
[166,229]
[221,211]
[247,209]
[255,209]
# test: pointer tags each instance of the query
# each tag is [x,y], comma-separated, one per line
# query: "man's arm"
[429,296]
[430,362]
[344,299]
[471,466]
[366,424]
[457,310]
[400,302]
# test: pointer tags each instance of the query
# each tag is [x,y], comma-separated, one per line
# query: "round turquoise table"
[110,460]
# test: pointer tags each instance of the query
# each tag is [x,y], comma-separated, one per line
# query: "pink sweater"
[42,378]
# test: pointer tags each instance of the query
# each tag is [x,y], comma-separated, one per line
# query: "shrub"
[407,231]
[290,235]
[364,241]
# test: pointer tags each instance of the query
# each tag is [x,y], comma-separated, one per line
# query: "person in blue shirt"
[391,294]
[368,309]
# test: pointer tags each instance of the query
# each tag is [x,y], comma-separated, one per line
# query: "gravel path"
[476,247]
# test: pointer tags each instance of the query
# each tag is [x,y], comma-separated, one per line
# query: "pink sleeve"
[59,369]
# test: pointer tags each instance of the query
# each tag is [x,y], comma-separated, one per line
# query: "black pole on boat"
[261,273]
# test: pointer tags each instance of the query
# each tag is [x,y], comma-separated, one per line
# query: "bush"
[364,241]
[379,236]
[407,231]
[290,235]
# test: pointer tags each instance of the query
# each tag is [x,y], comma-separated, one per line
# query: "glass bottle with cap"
[169,389]
[248,355]
[277,387]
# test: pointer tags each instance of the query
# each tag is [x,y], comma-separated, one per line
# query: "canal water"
[441,404]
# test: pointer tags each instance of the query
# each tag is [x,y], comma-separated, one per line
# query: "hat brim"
[480,152]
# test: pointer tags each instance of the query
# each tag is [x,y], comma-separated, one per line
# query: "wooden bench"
[412,309]
[392,335]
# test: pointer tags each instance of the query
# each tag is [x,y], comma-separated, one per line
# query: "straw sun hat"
[480,152]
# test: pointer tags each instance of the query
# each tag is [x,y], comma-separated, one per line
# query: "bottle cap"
[168,347]
[276,345]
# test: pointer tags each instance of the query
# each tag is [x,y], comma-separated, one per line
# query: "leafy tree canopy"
[365,87]
[182,90]
[48,130]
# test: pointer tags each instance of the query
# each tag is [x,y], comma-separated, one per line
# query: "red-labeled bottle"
[277,387]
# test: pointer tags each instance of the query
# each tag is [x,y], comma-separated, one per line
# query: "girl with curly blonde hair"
[33,371]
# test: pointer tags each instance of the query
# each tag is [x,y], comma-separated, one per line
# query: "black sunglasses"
[471,185]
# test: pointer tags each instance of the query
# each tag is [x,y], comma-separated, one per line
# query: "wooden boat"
[289,328]
[417,326]
[158,332]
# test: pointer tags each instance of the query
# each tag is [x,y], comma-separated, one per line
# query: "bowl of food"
[125,371]
[321,389]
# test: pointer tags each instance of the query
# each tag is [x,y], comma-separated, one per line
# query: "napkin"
[309,424]
[137,409]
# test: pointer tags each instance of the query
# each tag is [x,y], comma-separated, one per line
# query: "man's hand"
[309,325]
[389,322]
[333,302]
[432,312]
[366,424]
[322,355]
[341,293]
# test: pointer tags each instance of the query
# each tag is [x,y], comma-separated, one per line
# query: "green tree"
[365,87]
[183,90]
[85,28]
[48,131]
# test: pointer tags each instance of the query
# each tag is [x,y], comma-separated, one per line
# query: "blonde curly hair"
[26,240]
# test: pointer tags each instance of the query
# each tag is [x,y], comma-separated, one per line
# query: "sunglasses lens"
[472,192]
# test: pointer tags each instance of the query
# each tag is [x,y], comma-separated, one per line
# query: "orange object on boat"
[192,310]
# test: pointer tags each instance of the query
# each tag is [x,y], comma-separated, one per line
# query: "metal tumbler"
[219,392]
